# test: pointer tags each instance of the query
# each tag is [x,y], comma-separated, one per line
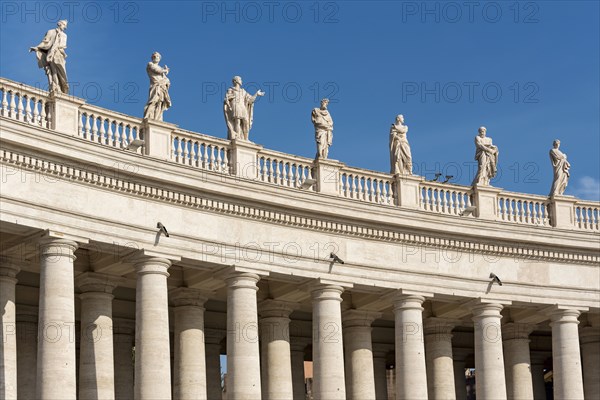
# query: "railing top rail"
[447,186]
[279,155]
[587,203]
[93,109]
[524,196]
[363,171]
[23,87]
[196,135]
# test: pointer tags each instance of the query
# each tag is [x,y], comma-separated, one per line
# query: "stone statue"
[51,56]
[238,108]
[158,95]
[323,123]
[561,169]
[400,157]
[486,155]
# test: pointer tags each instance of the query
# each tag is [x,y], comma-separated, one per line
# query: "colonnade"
[263,363]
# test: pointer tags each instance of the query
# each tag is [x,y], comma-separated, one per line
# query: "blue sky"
[528,70]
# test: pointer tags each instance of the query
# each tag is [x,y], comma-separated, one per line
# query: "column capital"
[237,280]
[95,282]
[381,350]
[481,309]
[359,318]
[8,269]
[56,247]
[404,301]
[214,336]
[436,325]
[270,308]
[324,291]
[27,313]
[589,334]
[183,296]
[298,343]
[560,315]
[151,265]
[123,326]
[515,330]
[539,357]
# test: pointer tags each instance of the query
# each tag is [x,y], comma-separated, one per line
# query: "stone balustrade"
[523,208]
[445,198]
[106,127]
[283,169]
[201,151]
[25,103]
[245,160]
[368,186]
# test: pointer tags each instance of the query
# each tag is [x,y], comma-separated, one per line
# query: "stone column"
[566,356]
[380,352]
[275,346]
[152,349]
[590,352]
[517,362]
[212,349]
[328,349]
[438,358]
[189,380]
[56,370]
[537,374]
[411,376]
[27,331]
[243,355]
[96,357]
[459,363]
[123,340]
[8,355]
[297,347]
[490,382]
[360,376]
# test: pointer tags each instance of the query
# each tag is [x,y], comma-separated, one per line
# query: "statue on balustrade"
[561,169]
[238,108]
[158,95]
[323,123]
[51,57]
[486,155]
[400,157]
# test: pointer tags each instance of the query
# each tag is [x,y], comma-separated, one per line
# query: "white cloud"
[587,188]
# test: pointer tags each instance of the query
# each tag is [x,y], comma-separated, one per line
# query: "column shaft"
[328,349]
[297,346]
[275,344]
[56,369]
[243,355]
[189,360]
[27,330]
[438,358]
[152,349]
[411,376]
[590,352]
[566,356]
[517,361]
[8,353]
[490,382]
[123,340]
[212,349]
[380,352]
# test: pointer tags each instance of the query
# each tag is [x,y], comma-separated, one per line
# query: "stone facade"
[248,271]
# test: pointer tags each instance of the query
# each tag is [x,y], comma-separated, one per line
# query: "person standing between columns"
[561,167]
[51,57]
[486,155]
[8,353]
[238,108]
[158,95]
[400,156]
[323,123]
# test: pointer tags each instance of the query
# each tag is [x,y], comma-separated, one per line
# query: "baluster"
[13,105]
[94,127]
[27,115]
[20,115]
[426,199]
[110,135]
[36,113]
[43,117]
[219,159]
[4,108]
[103,135]
[350,186]
[226,161]
[264,169]
[296,177]
[270,169]
[451,209]
[195,150]
[88,127]
[174,148]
